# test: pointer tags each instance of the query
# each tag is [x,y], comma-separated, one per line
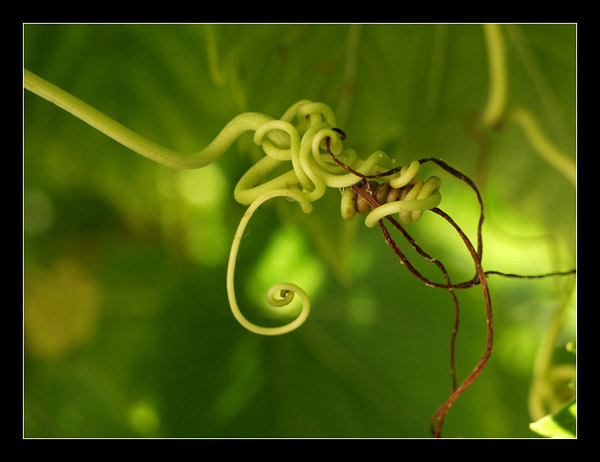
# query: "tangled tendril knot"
[306,137]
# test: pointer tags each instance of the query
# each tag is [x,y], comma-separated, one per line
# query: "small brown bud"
[394,195]
[362,206]
[381,192]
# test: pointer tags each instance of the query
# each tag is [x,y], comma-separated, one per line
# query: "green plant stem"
[547,151]
[496,104]
[136,142]
[211,54]
[539,392]
[496,113]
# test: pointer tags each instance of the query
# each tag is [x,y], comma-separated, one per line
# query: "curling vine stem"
[136,142]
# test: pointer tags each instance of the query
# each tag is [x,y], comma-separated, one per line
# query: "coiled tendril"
[306,137]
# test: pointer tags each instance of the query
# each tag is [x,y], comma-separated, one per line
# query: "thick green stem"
[136,142]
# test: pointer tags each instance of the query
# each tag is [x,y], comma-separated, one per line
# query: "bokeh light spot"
[62,308]
[205,187]
[144,419]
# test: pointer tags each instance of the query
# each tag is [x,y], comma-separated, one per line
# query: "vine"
[369,195]
[306,142]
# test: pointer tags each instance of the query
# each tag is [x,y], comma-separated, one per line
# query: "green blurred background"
[127,328]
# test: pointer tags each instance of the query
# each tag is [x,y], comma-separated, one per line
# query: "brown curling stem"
[480,276]
[456,391]
[461,176]
[397,251]
[369,197]
[489,319]
[438,417]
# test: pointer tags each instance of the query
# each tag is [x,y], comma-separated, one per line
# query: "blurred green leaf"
[560,424]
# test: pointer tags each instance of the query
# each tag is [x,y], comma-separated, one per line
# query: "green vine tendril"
[306,139]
